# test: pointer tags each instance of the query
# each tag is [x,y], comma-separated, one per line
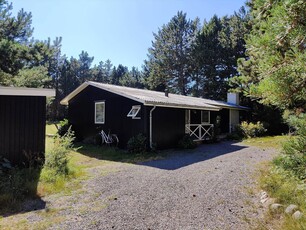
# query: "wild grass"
[286,189]
[281,184]
[31,183]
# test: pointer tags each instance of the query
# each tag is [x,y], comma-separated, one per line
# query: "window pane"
[134,111]
[205,117]
[100,112]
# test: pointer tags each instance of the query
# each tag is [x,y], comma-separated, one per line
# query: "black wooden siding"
[81,115]
[168,126]
[168,123]
[22,126]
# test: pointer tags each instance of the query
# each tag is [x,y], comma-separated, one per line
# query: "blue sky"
[119,30]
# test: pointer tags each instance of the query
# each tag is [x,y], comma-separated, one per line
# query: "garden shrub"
[56,162]
[137,144]
[186,142]
[63,127]
[250,130]
[293,158]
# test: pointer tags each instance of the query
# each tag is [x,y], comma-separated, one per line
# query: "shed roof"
[17,91]
[155,98]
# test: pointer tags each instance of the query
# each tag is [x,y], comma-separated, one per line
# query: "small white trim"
[99,103]
[135,108]
[16,91]
[66,100]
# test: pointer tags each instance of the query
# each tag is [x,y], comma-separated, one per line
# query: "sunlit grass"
[286,189]
[51,129]
[266,142]
[81,158]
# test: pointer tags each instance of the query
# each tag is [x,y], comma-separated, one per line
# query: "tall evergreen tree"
[215,52]
[85,62]
[15,32]
[132,79]
[169,59]
[275,70]
[118,73]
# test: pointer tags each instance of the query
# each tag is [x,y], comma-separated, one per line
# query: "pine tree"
[275,70]
[169,59]
[215,52]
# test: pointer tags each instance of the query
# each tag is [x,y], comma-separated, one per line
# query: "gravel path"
[207,188]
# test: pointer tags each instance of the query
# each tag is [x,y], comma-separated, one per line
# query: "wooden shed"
[22,122]
[164,118]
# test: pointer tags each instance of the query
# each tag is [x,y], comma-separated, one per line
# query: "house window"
[205,117]
[134,111]
[100,112]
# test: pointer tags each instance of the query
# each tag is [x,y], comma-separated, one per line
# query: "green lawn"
[266,142]
[51,129]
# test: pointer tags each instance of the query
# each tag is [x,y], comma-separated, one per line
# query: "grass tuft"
[287,189]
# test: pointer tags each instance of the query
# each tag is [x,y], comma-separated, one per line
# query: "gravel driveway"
[206,188]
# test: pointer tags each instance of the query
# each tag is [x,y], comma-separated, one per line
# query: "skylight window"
[134,111]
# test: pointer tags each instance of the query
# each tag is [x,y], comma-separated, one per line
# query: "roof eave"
[18,91]
[65,101]
[235,107]
[210,108]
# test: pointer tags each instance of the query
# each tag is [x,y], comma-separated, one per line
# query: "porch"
[200,132]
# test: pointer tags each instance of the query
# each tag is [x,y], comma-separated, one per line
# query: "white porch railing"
[200,131]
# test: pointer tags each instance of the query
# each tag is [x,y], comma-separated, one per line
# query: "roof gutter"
[151,128]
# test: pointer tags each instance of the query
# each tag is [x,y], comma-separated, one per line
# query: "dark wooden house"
[22,122]
[163,117]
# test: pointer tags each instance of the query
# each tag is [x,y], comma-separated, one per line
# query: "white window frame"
[133,114]
[103,115]
[208,122]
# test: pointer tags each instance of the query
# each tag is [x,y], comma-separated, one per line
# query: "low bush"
[285,179]
[137,144]
[16,184]
[186,142]
[236,136]
[250,130]
[56,162]
[293,158]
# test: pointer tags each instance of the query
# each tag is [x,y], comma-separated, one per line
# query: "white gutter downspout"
[151,132]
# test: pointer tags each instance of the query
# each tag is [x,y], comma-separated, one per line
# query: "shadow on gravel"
[179,159]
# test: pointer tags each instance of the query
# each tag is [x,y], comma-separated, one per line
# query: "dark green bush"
[16,184]
[293,158]
[236,136]
[137,144]
[63,127]
[186,142]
